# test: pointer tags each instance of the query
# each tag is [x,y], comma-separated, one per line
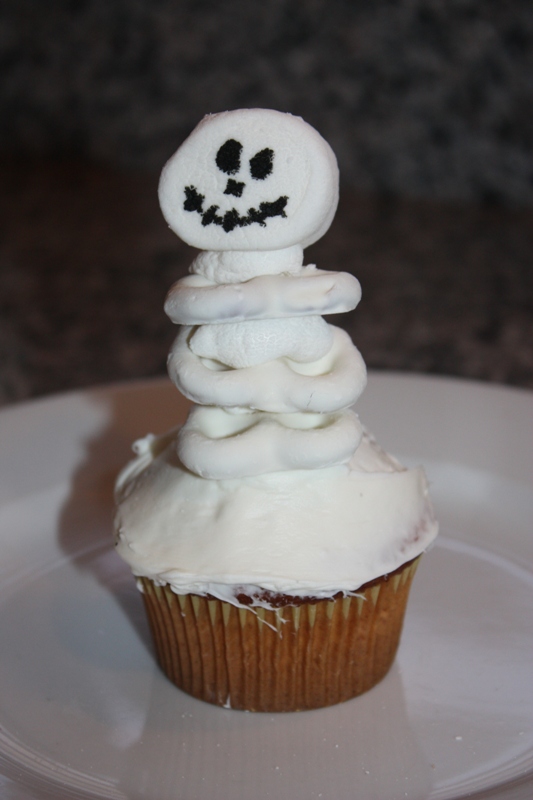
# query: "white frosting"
[300,533]
[270,485]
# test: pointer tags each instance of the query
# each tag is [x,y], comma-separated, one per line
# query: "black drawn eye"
[261,164]
[228,158]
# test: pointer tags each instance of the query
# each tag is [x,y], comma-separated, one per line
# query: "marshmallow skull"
[252,179]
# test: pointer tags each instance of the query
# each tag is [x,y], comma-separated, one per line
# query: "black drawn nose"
[234,187]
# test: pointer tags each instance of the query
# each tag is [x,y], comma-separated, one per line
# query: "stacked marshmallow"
[272,380]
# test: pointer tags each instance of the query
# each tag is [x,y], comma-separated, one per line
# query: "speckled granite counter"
[424,98]
[86,260]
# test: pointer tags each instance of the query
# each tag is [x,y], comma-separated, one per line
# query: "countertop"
[86,260]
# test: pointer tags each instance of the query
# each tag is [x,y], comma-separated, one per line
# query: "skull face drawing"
[228,161]
[250,180]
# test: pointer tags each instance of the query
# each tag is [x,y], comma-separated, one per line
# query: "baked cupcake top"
[271,484]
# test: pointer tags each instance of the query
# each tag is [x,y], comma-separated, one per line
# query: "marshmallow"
[252,179]
[333,382]
[246,344]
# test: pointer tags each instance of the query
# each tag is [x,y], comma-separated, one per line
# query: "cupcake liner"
[301,655]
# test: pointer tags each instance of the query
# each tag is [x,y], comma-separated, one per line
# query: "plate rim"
[163,383]
[162,379]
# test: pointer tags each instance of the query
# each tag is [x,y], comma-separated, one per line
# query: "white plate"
[84,711]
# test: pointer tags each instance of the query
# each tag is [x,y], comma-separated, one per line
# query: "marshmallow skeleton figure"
[272,381]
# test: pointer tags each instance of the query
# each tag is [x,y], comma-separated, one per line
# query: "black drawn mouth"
[194,201]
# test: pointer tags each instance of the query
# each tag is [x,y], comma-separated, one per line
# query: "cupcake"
[273,540]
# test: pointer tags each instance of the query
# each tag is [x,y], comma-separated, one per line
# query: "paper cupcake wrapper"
[291,658]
